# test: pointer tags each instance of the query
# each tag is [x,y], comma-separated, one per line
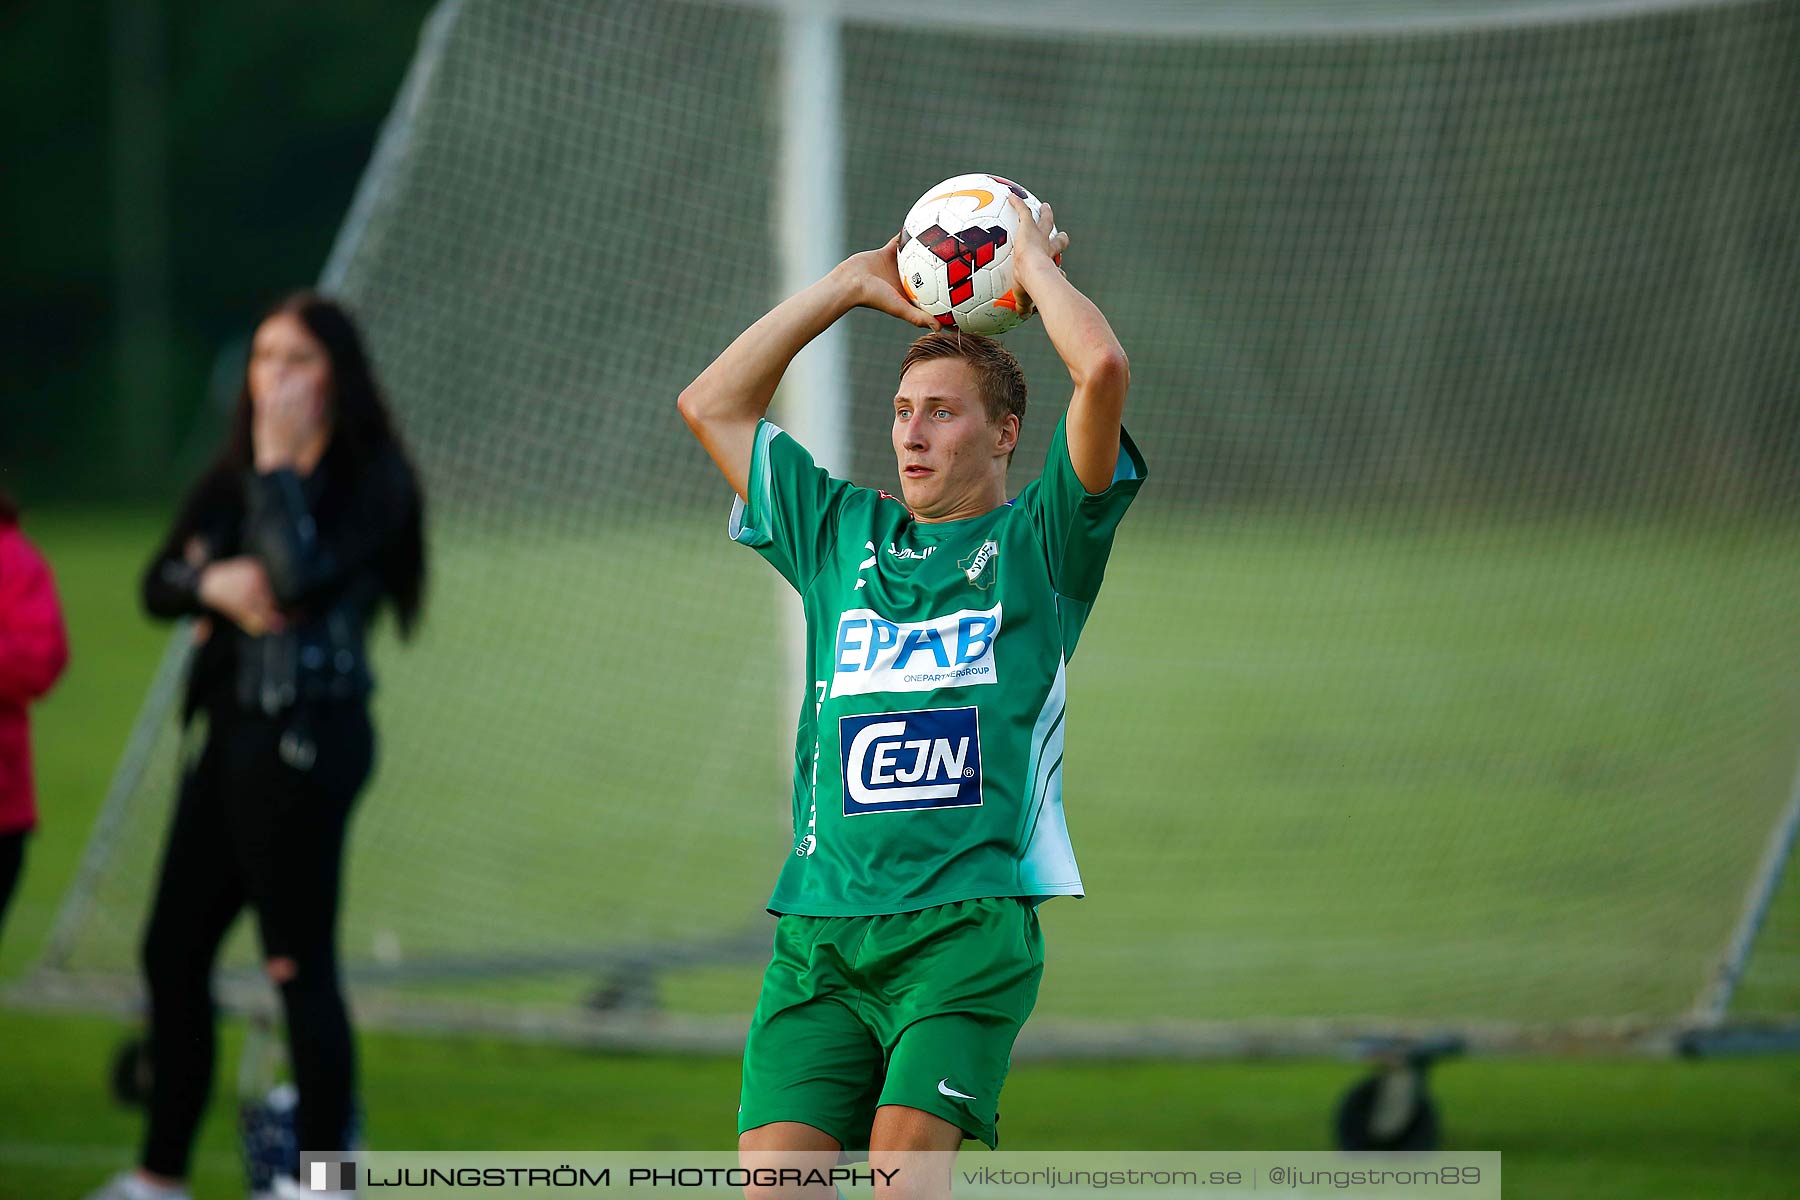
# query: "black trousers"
[12,859]
[255,826]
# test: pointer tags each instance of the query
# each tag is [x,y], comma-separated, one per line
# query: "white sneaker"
[129,1185]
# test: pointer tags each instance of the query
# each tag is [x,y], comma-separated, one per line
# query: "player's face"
[947,450]
[285,355]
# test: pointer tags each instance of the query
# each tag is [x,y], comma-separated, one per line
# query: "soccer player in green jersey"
[928,819]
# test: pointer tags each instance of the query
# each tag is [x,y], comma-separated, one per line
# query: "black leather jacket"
[324,540]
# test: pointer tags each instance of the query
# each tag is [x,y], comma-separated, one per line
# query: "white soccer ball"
[956,254]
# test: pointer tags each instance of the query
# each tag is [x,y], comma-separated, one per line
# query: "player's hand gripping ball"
[956,249]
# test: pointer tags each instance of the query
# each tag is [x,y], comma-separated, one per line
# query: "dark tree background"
[1428,266]
[170,166]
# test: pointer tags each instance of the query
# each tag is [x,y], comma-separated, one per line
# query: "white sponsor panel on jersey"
[874,654]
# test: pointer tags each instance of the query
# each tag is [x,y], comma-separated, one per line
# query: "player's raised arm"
[723,405]
[1086,344]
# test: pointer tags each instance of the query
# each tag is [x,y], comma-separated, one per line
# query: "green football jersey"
[928,761]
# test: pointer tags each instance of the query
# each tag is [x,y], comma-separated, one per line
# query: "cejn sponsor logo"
[873,654]
[902,762]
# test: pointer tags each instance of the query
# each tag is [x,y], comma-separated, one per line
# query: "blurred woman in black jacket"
[309,521]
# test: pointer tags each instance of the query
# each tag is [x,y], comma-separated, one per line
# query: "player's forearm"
[1096,364]
[722,406]
[1077,328]
[740,384]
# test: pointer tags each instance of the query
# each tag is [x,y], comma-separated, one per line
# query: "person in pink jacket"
[33,651]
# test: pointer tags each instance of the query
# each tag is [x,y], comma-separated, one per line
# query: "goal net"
[1444,677]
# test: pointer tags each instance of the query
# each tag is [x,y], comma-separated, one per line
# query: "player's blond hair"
[998,376]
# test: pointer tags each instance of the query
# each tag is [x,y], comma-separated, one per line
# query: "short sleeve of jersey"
[1075,526]
[791,515]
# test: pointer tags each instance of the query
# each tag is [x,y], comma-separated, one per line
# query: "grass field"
[1506,771]
[1570,1128]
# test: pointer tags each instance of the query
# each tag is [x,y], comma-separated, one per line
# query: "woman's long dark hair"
[362,430]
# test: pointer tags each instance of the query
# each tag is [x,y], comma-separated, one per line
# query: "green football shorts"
[917,1008]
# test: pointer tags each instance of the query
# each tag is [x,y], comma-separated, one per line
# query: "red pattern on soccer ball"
[963,254]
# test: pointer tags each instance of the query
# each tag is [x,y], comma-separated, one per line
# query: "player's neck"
[968,508]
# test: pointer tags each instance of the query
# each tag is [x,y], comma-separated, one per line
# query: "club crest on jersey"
[906,761]
[975,567]
[874,654]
